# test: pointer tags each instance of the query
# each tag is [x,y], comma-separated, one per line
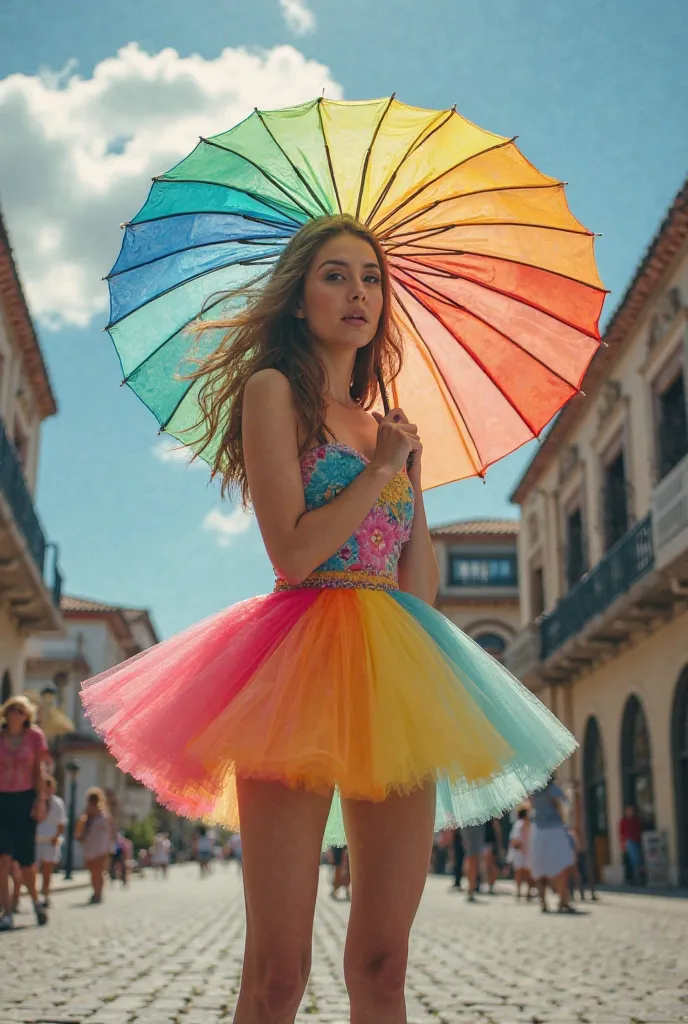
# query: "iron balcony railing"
[629,559]
[13,486]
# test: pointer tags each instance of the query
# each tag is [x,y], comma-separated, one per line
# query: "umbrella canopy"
[495,284]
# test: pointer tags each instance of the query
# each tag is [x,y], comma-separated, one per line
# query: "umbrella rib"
[521,263]
[392,232]
[478,470]
[510,295]
[221,184]
[434,232]
[433,181]
[292,164]
[190,248]
[268,177]
[329,156]
[419,141]
[457,305]
[366,162]
[479,362]
[180,284]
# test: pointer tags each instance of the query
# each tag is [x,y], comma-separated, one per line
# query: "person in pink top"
[23,748]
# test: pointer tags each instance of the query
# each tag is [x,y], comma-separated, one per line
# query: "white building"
[98,636]
[30,581]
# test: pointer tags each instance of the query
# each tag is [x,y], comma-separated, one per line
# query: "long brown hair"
[266,333]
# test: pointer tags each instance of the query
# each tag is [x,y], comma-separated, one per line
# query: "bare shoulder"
[269,413]
[268,385]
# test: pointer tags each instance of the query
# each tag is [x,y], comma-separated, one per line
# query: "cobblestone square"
[169,952]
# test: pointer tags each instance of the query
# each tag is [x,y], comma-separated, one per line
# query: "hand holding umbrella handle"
[385,406]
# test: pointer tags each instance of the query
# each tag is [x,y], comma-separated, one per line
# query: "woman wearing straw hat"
[23,748]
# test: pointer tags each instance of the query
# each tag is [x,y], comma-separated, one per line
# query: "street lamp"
[72,767]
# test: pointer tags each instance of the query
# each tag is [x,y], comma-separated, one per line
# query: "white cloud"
[169,450]
[298,16]
[77,153]
[228,525]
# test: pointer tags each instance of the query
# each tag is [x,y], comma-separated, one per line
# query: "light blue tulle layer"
[537,740]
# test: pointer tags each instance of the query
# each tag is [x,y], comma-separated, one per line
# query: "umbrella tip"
[123,382]
[582,394]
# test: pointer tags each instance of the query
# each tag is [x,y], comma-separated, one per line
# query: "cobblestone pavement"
[170,953]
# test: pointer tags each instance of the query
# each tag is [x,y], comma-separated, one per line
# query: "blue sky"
[597,92]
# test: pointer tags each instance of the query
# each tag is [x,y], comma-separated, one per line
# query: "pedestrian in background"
[23,748]
[49,837]
[517,855]
[160,853]
[95,832]
[457,866]
[473,839]
[491,852]
[203,851]
[550,854]
[631,835]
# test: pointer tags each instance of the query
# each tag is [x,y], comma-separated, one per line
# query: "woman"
[49,837]
[343,681]
[94,830]
[23,748]
[550,852]
[517,854]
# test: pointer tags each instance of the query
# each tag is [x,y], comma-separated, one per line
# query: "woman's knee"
[280,981]
[380,974]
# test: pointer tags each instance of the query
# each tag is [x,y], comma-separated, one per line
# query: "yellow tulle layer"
[357,696]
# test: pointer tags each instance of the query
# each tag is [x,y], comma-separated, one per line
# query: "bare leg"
[5,872]
[281,832]
[542,886]
[472,872]
[390,843]
[28,877]
[560,884]
[47,874]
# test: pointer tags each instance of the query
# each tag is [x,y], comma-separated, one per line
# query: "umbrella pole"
[383,390]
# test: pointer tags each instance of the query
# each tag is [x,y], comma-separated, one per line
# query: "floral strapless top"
[370,557]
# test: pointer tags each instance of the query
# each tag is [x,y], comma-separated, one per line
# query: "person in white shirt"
[49,837]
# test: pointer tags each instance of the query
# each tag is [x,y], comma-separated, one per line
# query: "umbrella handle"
[385,406]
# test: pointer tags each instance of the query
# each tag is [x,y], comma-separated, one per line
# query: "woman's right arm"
[298,541]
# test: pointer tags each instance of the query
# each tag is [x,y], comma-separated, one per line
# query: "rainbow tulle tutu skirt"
[358,692]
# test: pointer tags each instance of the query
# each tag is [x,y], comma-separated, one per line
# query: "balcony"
[621,598]
[670,521]
[30,579]
[612,577]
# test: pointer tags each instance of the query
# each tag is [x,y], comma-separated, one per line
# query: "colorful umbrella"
[495,283]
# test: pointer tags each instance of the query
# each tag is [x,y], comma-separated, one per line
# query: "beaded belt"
[346,579]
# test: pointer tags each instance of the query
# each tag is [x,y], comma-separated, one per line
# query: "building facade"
[30,580]
[603,567]
[97,636]
[478,588]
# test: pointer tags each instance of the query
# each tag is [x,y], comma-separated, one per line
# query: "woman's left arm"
[38,779]
[418,571]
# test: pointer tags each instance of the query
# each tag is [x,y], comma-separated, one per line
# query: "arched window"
[493,643]
[636,762]
[595,795]
[6,689]
[679,750]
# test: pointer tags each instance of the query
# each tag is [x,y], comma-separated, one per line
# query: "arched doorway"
[5,687]
[595,796]
[636,762]
[679,750]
